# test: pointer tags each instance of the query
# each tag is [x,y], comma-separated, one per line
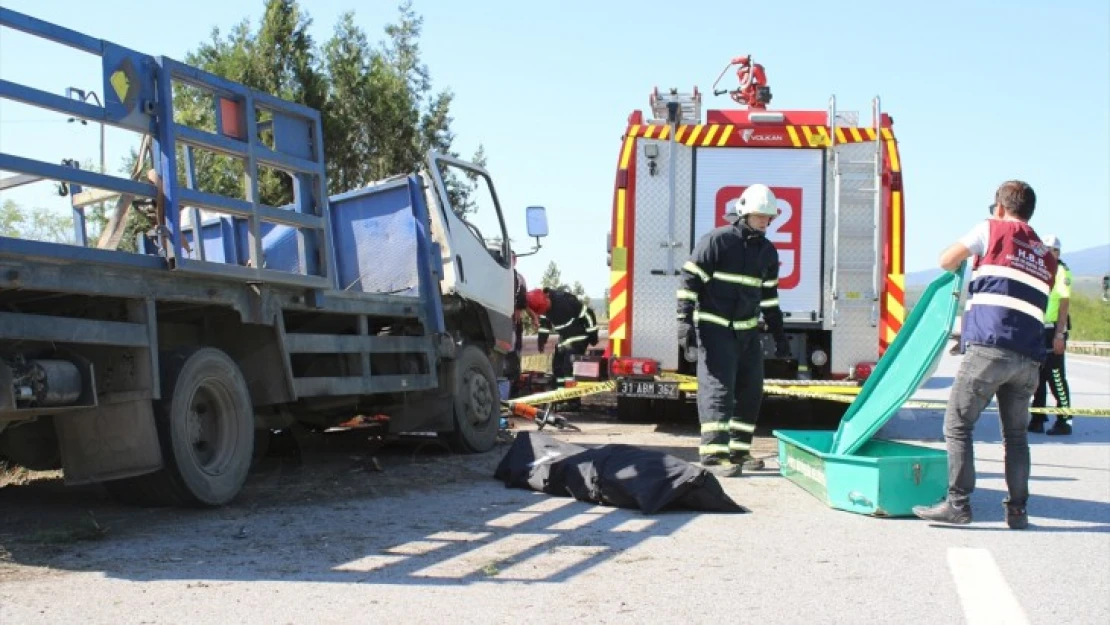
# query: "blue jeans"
[984,373]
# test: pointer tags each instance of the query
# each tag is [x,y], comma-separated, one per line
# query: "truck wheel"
[206,428]
[477,404]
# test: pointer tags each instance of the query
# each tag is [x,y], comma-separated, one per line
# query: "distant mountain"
[1093,261]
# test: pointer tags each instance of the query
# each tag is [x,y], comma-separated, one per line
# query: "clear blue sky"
[980,92]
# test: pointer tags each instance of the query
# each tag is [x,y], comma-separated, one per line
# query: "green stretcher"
[850,469]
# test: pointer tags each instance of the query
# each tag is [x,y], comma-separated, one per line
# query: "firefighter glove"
[687,337]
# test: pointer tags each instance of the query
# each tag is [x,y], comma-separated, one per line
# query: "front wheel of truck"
[476,404]
[205,425]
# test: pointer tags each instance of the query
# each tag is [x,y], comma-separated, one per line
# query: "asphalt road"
[467,549]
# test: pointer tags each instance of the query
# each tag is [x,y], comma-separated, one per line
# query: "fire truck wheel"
[477,405]
[205,425]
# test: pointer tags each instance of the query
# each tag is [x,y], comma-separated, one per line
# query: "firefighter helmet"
[757,200]
[538,301]
[1052,242]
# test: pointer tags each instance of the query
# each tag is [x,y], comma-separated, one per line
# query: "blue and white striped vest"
[1009,291]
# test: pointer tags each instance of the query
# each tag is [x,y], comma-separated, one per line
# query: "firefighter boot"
[720,467]
[1036,424]
[748,463]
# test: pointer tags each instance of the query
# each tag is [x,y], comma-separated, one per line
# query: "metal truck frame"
[153,372]
[839,185]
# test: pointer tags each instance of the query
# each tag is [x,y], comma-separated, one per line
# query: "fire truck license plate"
[647,388]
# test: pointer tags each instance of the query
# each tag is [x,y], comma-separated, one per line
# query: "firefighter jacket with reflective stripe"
[731,277]
[569,317]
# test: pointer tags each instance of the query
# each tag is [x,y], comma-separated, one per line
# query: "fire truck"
[839,233]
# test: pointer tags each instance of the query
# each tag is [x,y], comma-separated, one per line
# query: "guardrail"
[1093,348]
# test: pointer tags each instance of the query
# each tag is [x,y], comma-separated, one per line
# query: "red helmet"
[538,301]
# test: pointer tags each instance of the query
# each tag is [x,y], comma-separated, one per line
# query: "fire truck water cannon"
[753,92]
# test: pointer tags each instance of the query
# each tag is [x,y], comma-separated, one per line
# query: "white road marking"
[984,594]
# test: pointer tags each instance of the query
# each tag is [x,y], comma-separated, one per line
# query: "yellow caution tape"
[563,394]
[848,384]
[833,390]
[805,389]
[939,405]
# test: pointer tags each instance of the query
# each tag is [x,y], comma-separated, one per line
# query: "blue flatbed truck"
[152,372]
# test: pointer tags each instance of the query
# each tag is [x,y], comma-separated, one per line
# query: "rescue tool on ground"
[838,233]
[540,415]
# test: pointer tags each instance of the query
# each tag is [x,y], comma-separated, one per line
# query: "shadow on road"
[986,506]
[426,518]
[928,425]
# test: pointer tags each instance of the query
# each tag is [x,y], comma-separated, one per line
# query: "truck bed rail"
[139,95]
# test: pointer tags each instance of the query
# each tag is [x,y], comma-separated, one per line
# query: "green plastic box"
[882,478]
[851,470]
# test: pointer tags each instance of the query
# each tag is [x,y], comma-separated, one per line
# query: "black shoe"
[944,512]
[749,463]
[1016,517]
[1060,428]
[1036,424]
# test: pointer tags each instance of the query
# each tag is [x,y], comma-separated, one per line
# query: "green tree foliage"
[37,224]
[379,111]
[552,278]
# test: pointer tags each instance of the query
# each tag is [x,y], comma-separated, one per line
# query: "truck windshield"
[473,201]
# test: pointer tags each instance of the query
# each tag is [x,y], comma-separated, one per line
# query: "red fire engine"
[839,233]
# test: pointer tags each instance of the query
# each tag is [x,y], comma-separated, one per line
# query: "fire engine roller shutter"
[654,323]
[795,176]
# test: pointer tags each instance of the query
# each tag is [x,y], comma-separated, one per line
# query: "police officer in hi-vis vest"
[1057,324]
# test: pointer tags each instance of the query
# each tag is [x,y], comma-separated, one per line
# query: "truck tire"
[205,425]
[477,404]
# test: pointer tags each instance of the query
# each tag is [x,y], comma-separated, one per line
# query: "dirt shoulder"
[45,527]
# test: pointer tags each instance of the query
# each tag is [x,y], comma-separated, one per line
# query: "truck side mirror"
[536,217]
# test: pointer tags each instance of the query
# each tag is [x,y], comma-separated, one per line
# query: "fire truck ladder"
[689,106]
[673,109]
[857,186]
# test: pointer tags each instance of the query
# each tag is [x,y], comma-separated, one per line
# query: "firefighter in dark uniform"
[732,277]
[564,314]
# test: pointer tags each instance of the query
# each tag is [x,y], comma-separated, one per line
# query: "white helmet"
[1053,242]
[755,200]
